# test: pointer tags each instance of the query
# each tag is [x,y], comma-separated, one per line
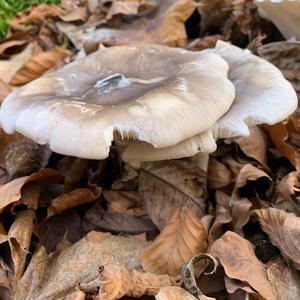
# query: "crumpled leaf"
[218,175]
[188,272]
[283,230]
[229,210]
[125,202]
[38,65]
[162,190]
[289,191]
[19,237]
[238,259]
[74,198]
[177,293]
[279,136]
[284,279]
[254,145]
[26,189]
[116,282]
[165,27]
[184,236]
[20,156]
[98,219]
[10,66]
[34,16]
[57,275]
[52,231]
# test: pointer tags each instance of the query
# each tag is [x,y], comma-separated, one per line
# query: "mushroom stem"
[201,160]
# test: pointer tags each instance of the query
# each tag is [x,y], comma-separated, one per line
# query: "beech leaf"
[183,237]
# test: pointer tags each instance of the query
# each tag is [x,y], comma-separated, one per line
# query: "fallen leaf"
[74,198]
[57,275]
[125,202]
[188,272]
[38,65]
[20,156]
[34,16]
[205,42]
[19,237]
[116,282]
[123,7]
[10,66]
[255,145]
[238,259]
[176,293]
[162,190]
[218,175]
[183,237]
[9,44]
[289,190]
[230,211]
[76,14]
[279,137]
[97,219]
[52,231]
[165,27]
[17,189]
[283,230]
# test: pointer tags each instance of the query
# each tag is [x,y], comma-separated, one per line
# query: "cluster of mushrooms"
[166,103]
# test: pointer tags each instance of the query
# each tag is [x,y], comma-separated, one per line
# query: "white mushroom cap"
[155,94]
[263,96]
[285,14]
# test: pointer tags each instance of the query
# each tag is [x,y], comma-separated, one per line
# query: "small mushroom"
[285,14]
[154,94]
[263,96]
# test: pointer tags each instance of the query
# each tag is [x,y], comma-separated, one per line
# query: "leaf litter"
[73,228]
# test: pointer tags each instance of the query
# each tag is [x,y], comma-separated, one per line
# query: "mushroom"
[154,94]
[263,96]
[285,14]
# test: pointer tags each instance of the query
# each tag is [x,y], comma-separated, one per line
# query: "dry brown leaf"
[51,232]
[38,65]
[177,293]
[75,171]
[255,145]
[204,42]
[230,211]
[76,14]
[33,16]
[11,45]
[98,219]
[279,136]
[162,190]
[218,175]
[125,202]
[283,230]
[74,198]
[165,27]
[116,282]
[183,237]
[4,90]
[284,279]
[57,275]
[21,189]
[238,259]
[10,66]
[19,237]
[289,190]
[19,156]
[284,55]
[123,7]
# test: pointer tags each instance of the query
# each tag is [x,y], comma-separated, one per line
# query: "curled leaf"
[162,190]
[116,282]
[74,198]
[283,230]
[184,236]
[238,259]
